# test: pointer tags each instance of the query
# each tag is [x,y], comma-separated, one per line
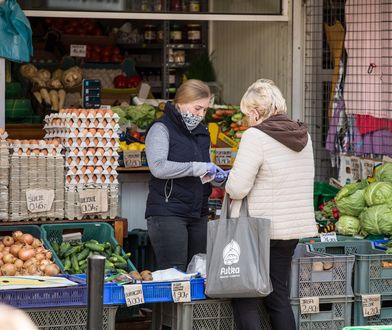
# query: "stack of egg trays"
[72,203]
[17,172]
[4,179]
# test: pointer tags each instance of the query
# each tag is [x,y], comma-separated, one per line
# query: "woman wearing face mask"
[177,150]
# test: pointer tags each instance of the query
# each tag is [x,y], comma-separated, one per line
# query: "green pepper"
[95,247]
[84,254]
[113,259]
[107,245]
[82,262]
[236,117]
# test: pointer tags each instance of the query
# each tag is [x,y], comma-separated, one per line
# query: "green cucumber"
[95,247]
[84,254]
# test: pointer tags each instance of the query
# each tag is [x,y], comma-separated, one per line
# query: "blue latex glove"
[220,177]
[212,169]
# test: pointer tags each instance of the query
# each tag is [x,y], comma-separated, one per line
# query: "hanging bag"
[238,252]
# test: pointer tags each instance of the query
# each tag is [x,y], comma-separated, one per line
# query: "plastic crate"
[139,245]
[17,110]
[100,231]
[216,314]
[335,313]
[323,192]
[370,275]
[346,247]
[376,327]
[69,318]
[47,297]
[25,229]
[378,244]
[385,317]
[328,283]
[340,238]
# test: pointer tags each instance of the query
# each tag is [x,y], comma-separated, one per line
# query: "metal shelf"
[186,46]
[177,65]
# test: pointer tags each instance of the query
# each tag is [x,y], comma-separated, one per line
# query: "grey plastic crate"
[346,247]
[306,282]
[212,314]
[385,317]
[69,318]
[335,314]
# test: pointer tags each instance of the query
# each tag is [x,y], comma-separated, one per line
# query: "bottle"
[176,34]
[150,33]
[194,33]
[194,6]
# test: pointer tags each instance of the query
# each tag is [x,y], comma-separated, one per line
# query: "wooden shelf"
[120,225]
[25,131]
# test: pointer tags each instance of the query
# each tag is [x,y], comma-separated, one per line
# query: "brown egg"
[111,178]
[76,151]
[104,160]
[100,112]
[112,160]
[113,122]
[110,132]
[44,152]
[20,152]
[113,142]
[25,142]
[79,122]
[78,141]
[96,141]
[83,169]
[69,161]
[92,150]
[93,131]
[109,169]
[84,131]
[77,161]
[54,152]
[76,132]
[104,122]
[74,170]
[91,169]
[96,122]
[28,152]
[36,152]
[70,141]
[87,141]
[84,151]
[100,151]
[103,178]
[33,141]
[87,122]
[110,112]
[83,113]
[95,160]
[110,152]
[101,131]
[68,178]
[56,142]
[85,178]
[99,169]
[104,141]
[86,160]
[77,179]
[94,178]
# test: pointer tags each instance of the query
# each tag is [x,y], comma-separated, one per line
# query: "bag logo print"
[231,253]
[231,256]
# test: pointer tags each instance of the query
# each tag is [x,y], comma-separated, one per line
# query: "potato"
[317,266]
[146,275]
[327,265]
[136,275]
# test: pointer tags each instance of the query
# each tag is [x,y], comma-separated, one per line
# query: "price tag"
[93,200]
[78,50]
[133,294]
[132,158]
[310,305]
[223,156]
[181,291]
[328,237]
[371,304]
[39,200]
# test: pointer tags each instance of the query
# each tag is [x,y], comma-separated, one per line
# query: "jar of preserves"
[194,6]
[194,33]
[150,33]
[172,77]
[176,34]
[160,35]
[179,56]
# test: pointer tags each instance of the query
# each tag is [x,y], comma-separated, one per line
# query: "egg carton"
[80,162]
[90,179]
[78,123]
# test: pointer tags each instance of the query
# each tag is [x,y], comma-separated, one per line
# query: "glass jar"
[176,34]
[160,35]
[150,33]
[179,56]
[194,6]
[194,33]
[175,5]
[172,77]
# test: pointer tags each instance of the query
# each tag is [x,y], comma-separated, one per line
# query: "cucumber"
[56,247]
[84,254]
[64,247]
[117,249]
[73,250]
[75,264]
[67,263]
[95,247]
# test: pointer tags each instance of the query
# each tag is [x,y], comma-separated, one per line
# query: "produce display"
[22,254]
[139,115]
[74,256]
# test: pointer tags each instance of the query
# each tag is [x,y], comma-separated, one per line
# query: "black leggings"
[277,303]
[176,240]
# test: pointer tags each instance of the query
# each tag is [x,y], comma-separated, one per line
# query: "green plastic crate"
[385,317]
[323,192]
[18,110]
[25,229]
[100,231]
[13,90]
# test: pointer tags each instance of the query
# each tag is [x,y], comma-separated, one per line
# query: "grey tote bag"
[238,253]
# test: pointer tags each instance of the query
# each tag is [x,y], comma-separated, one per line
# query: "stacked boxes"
[35,165]
[4,176]
[90,140]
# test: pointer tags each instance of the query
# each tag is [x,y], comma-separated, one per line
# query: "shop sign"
[93,200]
[328,237]
[78,50]
[132,158]
[133,294]
[310,305]
[39,200]
[371,304]
[223,156]
[181,291]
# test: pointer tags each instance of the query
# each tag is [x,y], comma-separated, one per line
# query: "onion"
[36,243]
[27,239]
[40,249]
[40,256]
[48,255]
[9,258]
[52,270]
[16,235]
[29,262]
[14,249]
[6,249]
[8,241]
[18,264]
[32,270]
[1,262]
[26,254]
[8,270]
[2,246]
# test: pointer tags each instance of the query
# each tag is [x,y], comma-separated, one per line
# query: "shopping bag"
[238,252]
[15,33]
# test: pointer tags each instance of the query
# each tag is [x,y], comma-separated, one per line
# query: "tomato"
[117,58]
[134,81]
[136,135]
[120,81]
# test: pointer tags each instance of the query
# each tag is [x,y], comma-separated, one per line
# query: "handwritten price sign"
[181,291]
[371,304]
[78,50]
[328,237]
[39,200]
[133,294]
[93,201]
[310,305]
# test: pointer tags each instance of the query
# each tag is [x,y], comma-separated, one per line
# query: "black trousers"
[277,303]
[176,240]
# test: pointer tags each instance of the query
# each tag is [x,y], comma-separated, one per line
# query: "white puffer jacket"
[278,182]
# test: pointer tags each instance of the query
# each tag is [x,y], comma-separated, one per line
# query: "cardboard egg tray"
[3,203]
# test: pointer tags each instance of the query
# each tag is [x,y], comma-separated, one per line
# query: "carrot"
[233,125]
[220,113]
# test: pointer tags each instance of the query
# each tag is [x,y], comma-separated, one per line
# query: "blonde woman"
[15,319]
[274,169]
[177,150]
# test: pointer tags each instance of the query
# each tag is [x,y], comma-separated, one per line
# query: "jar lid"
[194,25]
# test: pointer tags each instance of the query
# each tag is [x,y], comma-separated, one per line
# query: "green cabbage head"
[378,193]
[377,220]
[348,225]
[350,199]
[384,173]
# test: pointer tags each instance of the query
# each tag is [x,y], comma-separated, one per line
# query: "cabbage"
[378,193]
[384,173]
[377,220]
[348,225]
[350,199]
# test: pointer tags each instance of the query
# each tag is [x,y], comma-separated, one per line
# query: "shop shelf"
[100,231]
[344,247]
[335,313]
[306,282]
[69,318]
[385,317]
[47,297]
[373,271]
[323,192]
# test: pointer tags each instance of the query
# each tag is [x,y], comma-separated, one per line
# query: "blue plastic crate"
[47,297]
[377,244]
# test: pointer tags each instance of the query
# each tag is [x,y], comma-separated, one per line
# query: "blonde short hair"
[192,90]
[15,319]
[265,97]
